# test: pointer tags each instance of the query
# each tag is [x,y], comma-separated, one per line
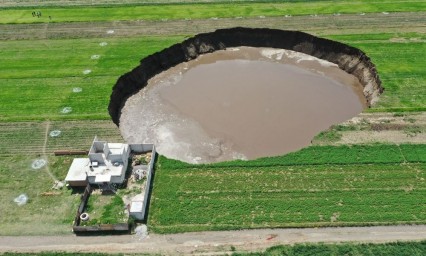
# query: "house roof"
[78,170]
[107,169]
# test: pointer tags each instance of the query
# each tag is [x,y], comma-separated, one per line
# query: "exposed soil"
[33,133]
[349,59]
[210,243]
[241,103]
[385,128]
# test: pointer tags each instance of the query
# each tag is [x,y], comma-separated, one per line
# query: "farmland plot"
[211,10]
[43,61]
[48,211]
[218,197]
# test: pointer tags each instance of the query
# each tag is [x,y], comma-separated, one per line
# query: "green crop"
[317,186]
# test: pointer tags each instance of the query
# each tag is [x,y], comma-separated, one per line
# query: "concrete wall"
[118,179]
[78,183]
[148,184]
[98,157]
[150,174]
[349,59]
[117,158]
[141,148]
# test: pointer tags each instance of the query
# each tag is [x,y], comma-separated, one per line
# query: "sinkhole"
[212,99]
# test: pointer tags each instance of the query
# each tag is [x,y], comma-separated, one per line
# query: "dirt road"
[210,242]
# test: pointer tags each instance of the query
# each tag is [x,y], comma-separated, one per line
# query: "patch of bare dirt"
[384,128]
[364,137]
[406,40]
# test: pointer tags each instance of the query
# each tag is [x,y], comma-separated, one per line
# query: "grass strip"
[204,10]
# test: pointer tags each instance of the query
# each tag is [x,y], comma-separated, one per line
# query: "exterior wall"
[78,183]
[97,146]
[106,149]
[91,179]
[118,179]
[141,148]
[82,205]
[148,183]
[98,157]
[138,215]
[116,158]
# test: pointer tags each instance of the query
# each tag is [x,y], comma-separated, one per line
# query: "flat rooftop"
[78,169]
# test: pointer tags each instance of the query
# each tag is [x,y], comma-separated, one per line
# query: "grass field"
[400,248]
[318,186]
[400,64]
[38,77]
[365,184]
[211,10]
[47,211]
[44,86]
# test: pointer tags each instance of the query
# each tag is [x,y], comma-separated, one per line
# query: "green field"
[48,211]
[211,10]
[43,60]
[44,213]
[400,65]
[318,186]
[400,248]
[38,77]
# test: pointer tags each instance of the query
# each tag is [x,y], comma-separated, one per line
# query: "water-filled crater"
[243,102]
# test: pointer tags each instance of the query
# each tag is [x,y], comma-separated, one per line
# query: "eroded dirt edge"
[349,59]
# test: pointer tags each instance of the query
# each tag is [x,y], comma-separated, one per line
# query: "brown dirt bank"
[349,59]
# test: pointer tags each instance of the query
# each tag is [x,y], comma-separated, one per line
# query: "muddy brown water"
[240,103]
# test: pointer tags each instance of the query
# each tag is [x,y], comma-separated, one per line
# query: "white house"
[107,164]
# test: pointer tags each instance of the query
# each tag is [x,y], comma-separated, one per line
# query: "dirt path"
[45,156]
[210,242]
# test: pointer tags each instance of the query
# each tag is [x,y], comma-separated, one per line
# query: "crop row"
[74,135]
[321,195]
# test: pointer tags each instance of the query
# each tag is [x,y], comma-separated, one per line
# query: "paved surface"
[210,242]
